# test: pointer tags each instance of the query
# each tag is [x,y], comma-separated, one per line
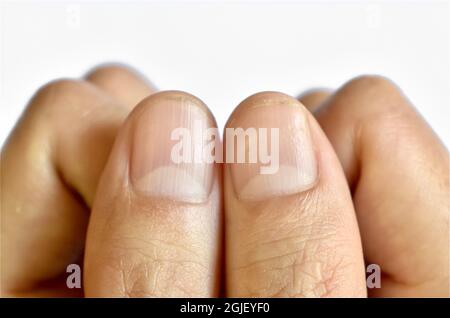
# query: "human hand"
[361,178]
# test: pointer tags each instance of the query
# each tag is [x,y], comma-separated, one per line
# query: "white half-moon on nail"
[173,183]
[288,180]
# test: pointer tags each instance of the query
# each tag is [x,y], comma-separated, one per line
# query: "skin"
[382,196]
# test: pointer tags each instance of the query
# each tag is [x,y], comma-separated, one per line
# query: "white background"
[224,51]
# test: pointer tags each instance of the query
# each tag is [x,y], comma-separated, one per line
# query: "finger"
[290,232]
[50,167]
[121,82]
[312,99]
[155,225]
[398,169]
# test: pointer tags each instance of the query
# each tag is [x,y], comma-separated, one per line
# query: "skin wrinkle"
[155,259]
[155,242]
[158,242]
[323,280]
[309,246]
[136,271]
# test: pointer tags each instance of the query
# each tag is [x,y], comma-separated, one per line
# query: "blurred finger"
[399,172]
[50,167]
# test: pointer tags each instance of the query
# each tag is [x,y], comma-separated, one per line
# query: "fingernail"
[167,138]
[290,164]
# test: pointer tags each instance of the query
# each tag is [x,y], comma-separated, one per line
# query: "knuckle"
[376,83]
[377,104]
[35,130]
[60,88]
[57,97]
[111,72]
[373,94]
